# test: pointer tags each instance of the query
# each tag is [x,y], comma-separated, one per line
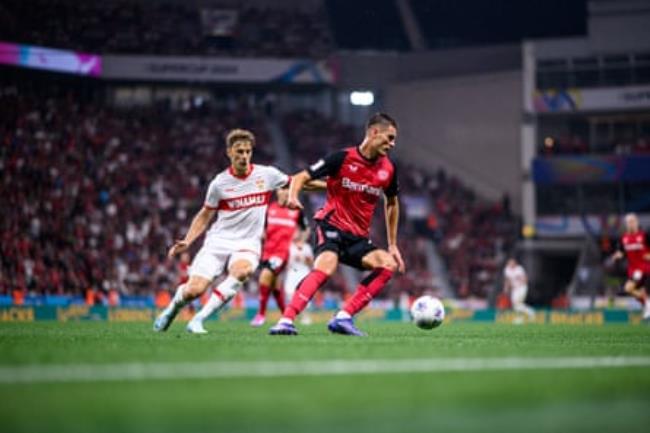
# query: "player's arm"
[323,167]
[618,253]
[199,224]
[298,182]
[315,185]
[391,211]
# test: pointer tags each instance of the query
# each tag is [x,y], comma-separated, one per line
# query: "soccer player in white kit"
[516,285]
[301,259]
[239,197]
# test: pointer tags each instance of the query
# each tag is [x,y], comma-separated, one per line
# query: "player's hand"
[616,256]
[178,247]
[294,203]
[394,251]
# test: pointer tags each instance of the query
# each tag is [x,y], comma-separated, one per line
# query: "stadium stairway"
[438,270]
[280,144]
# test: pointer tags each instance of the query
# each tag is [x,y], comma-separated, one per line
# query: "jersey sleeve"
[327,166]
[393,188]
[278,179]
[212,197]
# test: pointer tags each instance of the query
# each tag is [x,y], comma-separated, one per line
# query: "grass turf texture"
[596,399]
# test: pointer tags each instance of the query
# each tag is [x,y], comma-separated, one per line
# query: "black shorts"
[639,278]
[350,248]
[274,264]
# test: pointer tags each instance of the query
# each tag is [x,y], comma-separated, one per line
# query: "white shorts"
[518,295]
[216,253]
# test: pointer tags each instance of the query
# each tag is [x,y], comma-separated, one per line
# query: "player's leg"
[185,293]
[278,293]
[266,282]
[207,264]
[518,300]
[242,265]
[324,266]
[635,288]
[382,266]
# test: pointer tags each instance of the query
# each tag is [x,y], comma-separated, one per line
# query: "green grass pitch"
[508,400]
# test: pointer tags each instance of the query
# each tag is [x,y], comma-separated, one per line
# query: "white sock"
[342,314]
[177,302]
[228,289]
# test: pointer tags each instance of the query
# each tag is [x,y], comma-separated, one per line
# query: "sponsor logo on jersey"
[252,200]
[360,187]
[634,247]
[277,221]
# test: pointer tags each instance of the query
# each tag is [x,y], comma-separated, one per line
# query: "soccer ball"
[427,312]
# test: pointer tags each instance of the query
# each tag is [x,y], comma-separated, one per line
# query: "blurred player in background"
[515,284]
[357,177]
[634,246]
[282,224]
[301,259]
[239,196]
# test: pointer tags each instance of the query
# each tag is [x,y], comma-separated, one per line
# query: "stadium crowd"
[93,196]
[167,28]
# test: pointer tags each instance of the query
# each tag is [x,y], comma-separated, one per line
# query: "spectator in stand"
[135,27]
[84,189]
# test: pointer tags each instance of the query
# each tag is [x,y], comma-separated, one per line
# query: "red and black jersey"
[636,247]
[354,186]
[281,226]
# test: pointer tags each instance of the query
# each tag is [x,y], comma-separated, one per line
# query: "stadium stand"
[169,28]
[92,197]
[382,28]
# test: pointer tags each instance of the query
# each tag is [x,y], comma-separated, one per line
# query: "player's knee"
[629,287]
[386,261]
[241,271]
[194,289]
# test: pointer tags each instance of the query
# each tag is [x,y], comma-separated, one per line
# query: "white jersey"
[297,266]
[241,202]
[516,275]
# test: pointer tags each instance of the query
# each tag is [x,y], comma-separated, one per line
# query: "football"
[427,312]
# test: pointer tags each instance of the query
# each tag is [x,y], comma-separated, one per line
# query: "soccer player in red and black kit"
[634,244]
[281,226]
[357,177]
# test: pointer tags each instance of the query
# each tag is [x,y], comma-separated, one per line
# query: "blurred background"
[524,130]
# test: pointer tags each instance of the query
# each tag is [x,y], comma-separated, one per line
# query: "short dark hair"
[381,119]
[239,135]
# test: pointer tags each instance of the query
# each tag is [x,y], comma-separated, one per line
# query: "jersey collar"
[243,176]
[368,160]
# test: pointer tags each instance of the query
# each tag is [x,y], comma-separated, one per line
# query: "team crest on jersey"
[353,168]
[260,184]
[382,174]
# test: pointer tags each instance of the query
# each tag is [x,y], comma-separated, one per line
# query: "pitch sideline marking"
[212,370]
